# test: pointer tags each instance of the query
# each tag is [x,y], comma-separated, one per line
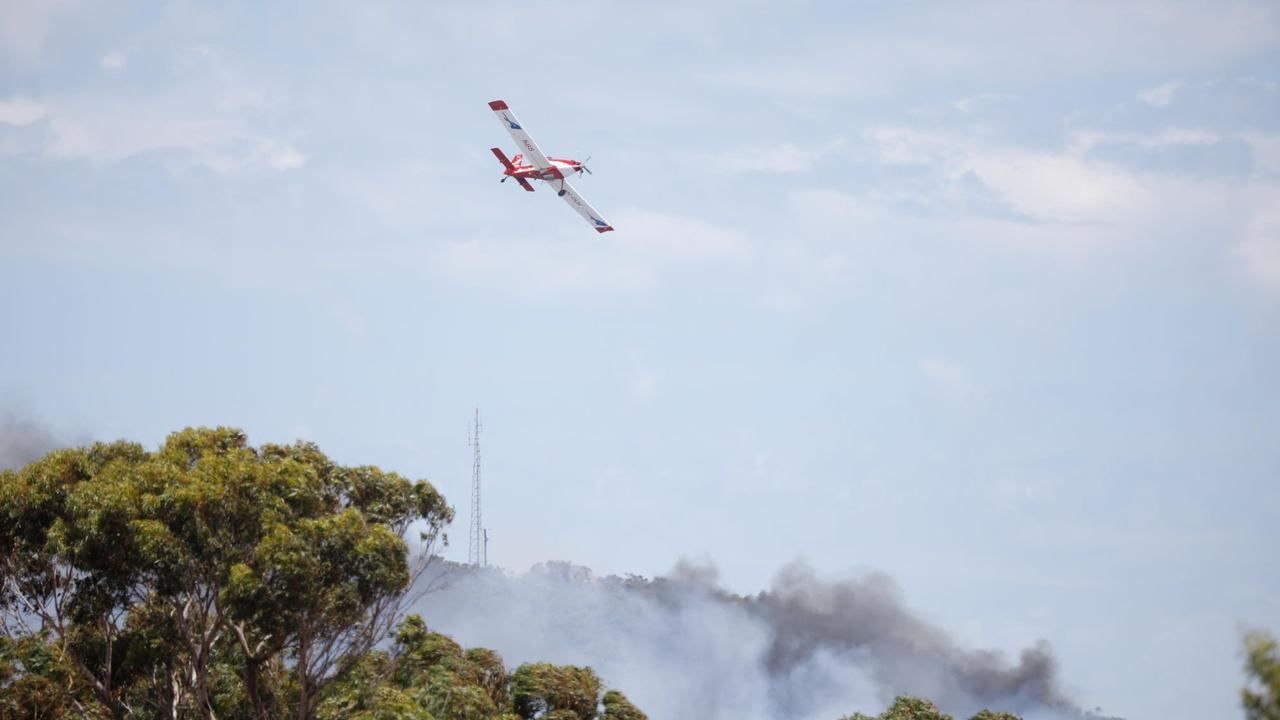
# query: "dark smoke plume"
[682,646]
[22,440]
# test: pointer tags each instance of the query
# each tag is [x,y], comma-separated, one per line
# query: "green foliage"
[33,680]
[570,691]
[1261,699]
[427,674]
[206,578]
[365,694]
[618,707]
[910,708]
[212,579]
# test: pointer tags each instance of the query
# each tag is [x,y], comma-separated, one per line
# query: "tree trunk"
[252,667]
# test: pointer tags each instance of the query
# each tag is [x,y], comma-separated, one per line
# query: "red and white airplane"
[552,171]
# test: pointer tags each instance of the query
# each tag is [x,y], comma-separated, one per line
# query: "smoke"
[681,646]
[23,440]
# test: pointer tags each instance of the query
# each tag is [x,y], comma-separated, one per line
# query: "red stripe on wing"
[497,105]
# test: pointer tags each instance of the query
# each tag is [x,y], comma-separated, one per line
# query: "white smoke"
[682,647]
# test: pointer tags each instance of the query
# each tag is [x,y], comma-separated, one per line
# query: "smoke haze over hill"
[682,646]
[23,440]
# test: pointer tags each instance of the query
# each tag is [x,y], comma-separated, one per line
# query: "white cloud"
[973,103]
[665,238]
[1021,42]
[21,111]
[282,156]
[1045,186]
[1056,187]
[209,116]
[573,259]
[1083,141]
[947,377]
[1260,249]
[114,60]
[1061,206]
[783,159]
[1266,154]
[348,318]
[643,382]
[1160,95]
[25,24]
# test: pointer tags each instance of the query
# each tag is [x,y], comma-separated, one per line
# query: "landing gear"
[560,194]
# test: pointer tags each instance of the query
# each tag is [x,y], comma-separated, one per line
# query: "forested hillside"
[213,579]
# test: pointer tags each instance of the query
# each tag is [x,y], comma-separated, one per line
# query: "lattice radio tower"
[477,548]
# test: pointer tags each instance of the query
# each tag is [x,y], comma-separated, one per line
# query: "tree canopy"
[205,578]
[213,579]
[906,707]
[1261,697]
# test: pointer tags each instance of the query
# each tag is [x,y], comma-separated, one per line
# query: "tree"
[556,690]
[906,707]
[429,675]
[618,707]
[205,578]
[1261,698]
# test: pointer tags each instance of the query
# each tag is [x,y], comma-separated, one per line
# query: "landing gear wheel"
[561,193]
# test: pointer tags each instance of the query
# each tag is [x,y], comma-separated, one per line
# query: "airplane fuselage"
[559,170]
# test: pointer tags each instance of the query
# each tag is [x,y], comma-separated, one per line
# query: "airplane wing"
[526,143]
[584,208]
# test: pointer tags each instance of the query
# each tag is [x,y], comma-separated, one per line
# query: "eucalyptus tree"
[207,577]
[1261,697]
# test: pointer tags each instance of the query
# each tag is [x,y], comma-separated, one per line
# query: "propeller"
[582,166]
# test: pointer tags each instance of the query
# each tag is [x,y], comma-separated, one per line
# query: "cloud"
[209,114]
[20,111]
[667,238]
[1084,141]
[110,129]
[645,246]
[281,156]
[1022,44]
[1260,249]
[1160,95]
[947,377]
[25,24]
[114,60]
[783,159]
[1064,186]
[643,381]
[1265,148]
[974,103]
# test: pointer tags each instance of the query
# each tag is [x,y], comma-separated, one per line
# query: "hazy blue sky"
[986,296]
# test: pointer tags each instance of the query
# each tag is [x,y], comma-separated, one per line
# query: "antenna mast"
[476,548]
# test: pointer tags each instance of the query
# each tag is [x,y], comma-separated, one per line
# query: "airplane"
[552,171]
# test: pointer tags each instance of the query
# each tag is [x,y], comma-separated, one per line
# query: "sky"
[983,296]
